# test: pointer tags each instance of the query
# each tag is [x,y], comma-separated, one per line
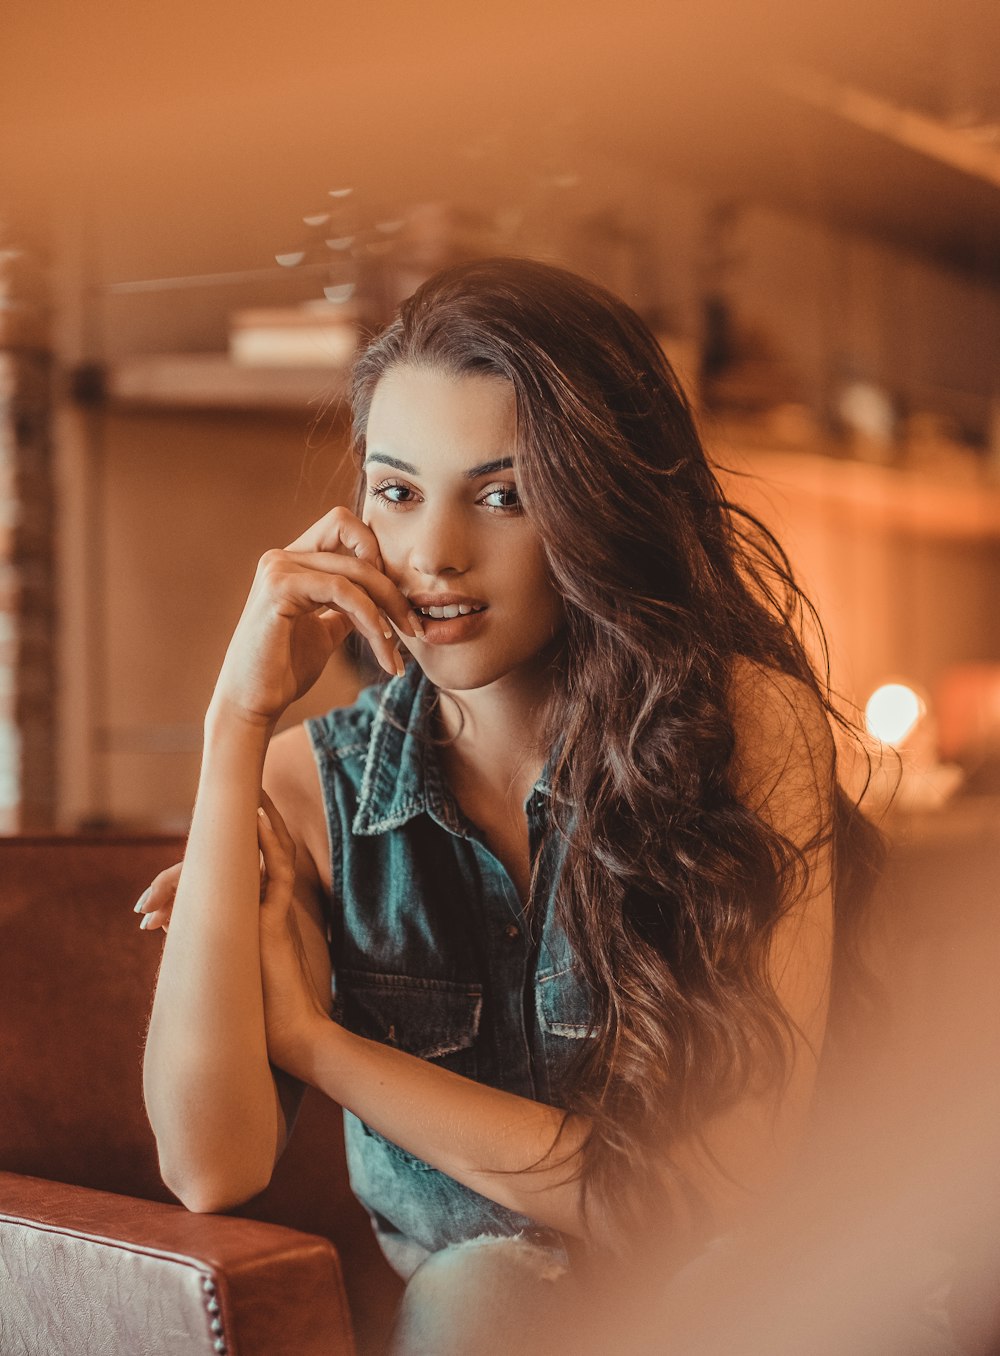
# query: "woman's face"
[441,497]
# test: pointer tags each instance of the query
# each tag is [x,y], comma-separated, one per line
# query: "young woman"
[554,913]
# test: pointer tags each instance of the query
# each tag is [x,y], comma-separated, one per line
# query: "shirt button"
[512,932]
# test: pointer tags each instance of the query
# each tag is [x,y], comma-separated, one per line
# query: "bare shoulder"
[291,779]
[783,759]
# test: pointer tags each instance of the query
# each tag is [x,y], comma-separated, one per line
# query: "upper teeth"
[452,610]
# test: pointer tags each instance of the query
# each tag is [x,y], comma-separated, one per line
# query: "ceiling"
[188,138]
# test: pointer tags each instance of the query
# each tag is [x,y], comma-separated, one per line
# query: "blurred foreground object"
[884,1240]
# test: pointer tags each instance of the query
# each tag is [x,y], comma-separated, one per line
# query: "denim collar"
[402,775]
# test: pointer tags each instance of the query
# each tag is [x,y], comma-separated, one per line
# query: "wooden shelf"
[911,502]
[211,381]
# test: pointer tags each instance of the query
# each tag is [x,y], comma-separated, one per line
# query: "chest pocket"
[562,1004]
[434,1019]
[563,1010]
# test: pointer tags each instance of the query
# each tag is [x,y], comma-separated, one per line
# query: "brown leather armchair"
[95,1254]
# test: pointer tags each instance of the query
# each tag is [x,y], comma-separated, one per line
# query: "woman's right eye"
[391,492]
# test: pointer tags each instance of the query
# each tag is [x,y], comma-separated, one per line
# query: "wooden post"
[27,577]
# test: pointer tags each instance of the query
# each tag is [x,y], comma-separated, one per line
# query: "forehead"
[431,417]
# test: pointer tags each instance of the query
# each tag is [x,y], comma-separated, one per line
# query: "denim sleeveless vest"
[431,952]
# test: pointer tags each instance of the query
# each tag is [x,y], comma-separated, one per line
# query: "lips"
[445,606]
[449,618]
[453,630]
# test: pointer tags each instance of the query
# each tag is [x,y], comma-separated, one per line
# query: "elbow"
[208,1199]
[213,1193]
[211,1164]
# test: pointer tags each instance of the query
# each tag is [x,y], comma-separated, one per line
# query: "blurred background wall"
[201,212]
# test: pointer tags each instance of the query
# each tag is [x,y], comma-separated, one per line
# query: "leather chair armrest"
[87,1273]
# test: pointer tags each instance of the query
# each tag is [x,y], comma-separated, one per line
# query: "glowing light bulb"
[892,711]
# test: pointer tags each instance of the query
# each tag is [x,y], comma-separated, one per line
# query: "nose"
[440,544]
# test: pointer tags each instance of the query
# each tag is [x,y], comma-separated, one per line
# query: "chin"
[458,677]
[472,673]
[454,672]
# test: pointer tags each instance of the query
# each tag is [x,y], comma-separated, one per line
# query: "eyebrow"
[488,468]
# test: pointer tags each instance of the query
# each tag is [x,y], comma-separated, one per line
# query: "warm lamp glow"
[892,711]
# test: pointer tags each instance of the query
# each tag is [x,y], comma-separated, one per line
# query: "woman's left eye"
[505,499]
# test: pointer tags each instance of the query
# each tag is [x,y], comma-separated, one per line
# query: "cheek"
[390,550]
[540,600]
[538,584]
[556,611]
[553,603]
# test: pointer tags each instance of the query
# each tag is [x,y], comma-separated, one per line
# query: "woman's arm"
[494,1141]
[210,1092]
[210,1095]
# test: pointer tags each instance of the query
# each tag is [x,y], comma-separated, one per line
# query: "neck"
[499,730]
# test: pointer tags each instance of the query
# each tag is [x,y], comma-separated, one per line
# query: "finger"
[158,918]
[339,593]
[344,530]
[338,626]
[279,864]
[274,819]
[161,890]
[364,616]
[321,582]
[379,587]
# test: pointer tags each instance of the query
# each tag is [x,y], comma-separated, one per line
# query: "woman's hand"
[292,1006]
[157,900]
[304,601]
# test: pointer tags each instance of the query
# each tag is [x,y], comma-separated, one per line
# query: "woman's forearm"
[209,1089]
[506,1147]
[525,1155]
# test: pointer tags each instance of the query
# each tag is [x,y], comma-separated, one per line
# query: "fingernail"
[387,630]
[144,921]
[263,814]
[142,899]
[416,623]
[400,665]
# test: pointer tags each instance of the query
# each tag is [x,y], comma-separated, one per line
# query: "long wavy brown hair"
[671,887]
